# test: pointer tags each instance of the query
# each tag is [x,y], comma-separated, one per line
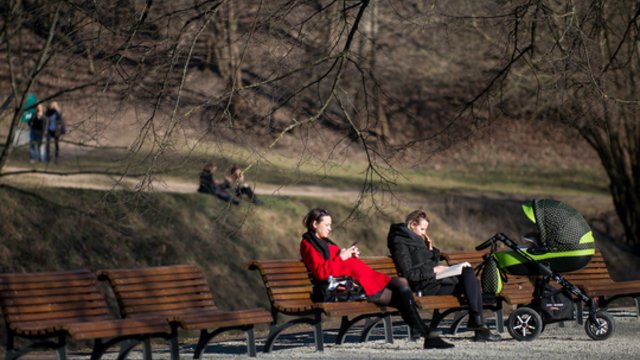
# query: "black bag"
[556,306]
[342,288]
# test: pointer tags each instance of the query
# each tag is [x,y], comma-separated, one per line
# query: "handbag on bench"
[341,289]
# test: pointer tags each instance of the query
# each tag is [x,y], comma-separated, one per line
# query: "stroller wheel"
[602,328]
[524,324]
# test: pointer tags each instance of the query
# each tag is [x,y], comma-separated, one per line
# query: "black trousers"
[468,285]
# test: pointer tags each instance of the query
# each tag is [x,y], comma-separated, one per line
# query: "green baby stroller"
[563,243]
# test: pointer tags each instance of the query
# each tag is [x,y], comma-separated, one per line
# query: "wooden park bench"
[181,295]
[288,285]
[595,280]
[46,309]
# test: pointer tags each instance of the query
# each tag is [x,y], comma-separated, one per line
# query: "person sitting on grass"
[234,181]
[208,185]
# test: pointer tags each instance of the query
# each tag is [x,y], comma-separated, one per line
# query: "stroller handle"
[497,237]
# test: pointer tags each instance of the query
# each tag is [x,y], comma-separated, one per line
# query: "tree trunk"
[227,50]
[621,161]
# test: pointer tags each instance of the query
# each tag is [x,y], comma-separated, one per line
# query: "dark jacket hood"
[405,234]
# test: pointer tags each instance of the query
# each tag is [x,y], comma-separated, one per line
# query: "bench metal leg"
[275,331]
[251,342]
[499,314]
[206,336]
[173,344]
[125,348]
[147,348]
[346,324]
[61,351]
[637,301]
[369,325]
[12,353]
[202,343]
[457,321]
[317,333]
[388,329]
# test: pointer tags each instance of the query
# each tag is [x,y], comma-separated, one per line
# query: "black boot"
[436,343]
[432,339]
[482,332]
[476,322]
[485,334]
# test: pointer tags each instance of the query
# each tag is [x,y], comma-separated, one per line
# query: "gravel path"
[556,342]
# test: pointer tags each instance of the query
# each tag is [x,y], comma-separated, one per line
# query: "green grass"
[185,164]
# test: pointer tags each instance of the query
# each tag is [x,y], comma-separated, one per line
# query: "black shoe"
[436,343]
[416,334]
[476,323]
[485,334]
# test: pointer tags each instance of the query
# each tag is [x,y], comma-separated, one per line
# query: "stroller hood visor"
[561,227]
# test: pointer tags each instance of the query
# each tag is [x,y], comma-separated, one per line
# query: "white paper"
[453,270]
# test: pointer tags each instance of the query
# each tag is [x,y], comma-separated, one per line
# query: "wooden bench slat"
[14,294]
[151,271]
[71,313]
[166,307]
[57,307]
[290,276]
[295,296]
[287,283]
[284,270]
[57,284]
[20,302]
[191,277]
[291,290]
[186,298]
[89,333]
[159,292]
[46,277]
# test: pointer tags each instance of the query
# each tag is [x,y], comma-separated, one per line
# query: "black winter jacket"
[413,259]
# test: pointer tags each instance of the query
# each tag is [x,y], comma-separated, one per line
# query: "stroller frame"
[599,324]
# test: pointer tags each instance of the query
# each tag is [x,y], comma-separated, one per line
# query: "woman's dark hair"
[234,168]
[314,215]
[415,216]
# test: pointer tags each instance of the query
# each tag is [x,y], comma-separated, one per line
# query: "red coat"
[371,280]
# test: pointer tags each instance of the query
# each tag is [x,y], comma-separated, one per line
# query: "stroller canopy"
[564,240]
[560,227]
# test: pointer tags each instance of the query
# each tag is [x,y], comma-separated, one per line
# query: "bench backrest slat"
[163,289]
[51,296]
[596,269]
[287,281]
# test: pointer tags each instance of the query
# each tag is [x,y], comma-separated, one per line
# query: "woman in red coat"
[324,258]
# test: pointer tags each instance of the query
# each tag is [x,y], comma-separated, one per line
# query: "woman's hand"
[428,241]
[439,268]
[349,252]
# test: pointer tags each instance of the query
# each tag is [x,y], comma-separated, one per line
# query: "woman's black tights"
[398,294]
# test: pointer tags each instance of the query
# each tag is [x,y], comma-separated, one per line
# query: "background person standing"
[55,130]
